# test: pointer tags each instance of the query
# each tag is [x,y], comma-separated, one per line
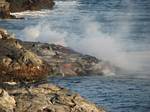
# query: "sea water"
[116,31]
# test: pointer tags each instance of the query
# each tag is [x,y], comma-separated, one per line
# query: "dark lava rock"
[8,6]
[67,62]
[23,5]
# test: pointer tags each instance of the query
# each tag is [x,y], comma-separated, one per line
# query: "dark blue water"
[105,29]
[114,93]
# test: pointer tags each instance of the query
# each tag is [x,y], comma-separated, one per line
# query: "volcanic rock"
[44,98]
[23,5]
[9,6]
[18,63]
[67,62]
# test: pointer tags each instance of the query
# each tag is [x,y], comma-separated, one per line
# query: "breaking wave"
[33,14]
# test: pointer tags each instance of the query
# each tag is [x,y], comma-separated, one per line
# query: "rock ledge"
[44,98]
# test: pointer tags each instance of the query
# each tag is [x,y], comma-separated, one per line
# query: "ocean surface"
[117,31]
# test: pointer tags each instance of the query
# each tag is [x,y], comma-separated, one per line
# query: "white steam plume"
[94,41]
[43,32]
[100,44]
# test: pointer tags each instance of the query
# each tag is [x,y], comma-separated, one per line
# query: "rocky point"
[24,67]
[9,6]
[44,98]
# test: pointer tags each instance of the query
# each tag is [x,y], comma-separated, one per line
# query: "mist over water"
[44,33]
[93,41]
[111,43]
[114,31]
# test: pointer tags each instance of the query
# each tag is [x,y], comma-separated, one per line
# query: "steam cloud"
[94,41]
[44,33]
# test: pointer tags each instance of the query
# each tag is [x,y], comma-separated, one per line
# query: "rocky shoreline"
[24,62]
[44,98]
[10,6]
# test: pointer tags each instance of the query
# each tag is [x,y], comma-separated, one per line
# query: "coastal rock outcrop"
[21,72]
[23,5]
[9,6]
[15,60]
[44,98]
[67,62]
[5,11]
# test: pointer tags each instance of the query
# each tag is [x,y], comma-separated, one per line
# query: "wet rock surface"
[44,98]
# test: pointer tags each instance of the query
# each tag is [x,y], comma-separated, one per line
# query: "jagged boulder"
[7,102]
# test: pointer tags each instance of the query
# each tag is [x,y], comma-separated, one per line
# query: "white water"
[93,40]
[33,14]
[44,33]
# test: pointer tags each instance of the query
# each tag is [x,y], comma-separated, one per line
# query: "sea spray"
[44,33]
[93,39]
[103,45]
[32,14]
